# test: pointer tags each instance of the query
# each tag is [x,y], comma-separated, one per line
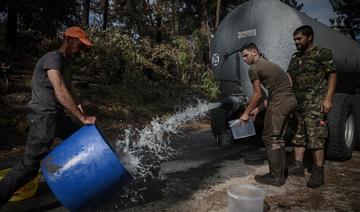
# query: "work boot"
[297,169]
[276,159]
[317,177]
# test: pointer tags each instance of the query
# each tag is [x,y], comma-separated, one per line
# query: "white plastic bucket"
[245,198]
[242,130]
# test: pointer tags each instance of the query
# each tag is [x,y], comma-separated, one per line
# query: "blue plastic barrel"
[83,169]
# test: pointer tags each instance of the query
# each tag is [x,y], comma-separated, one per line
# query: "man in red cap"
[51,95]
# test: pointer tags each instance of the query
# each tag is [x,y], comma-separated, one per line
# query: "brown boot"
[317,177]
[276,159]
[296,169]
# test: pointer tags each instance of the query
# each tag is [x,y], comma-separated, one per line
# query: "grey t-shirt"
[43,99]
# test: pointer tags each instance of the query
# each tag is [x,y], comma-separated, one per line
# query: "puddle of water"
[142,150]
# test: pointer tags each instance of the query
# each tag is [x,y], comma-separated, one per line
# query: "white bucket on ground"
[242,130]
[245,198]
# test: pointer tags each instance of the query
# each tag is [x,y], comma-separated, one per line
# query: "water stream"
[142,150]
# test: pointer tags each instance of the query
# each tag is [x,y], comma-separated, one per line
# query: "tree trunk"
[158,28]
[105,15]
[176,19]
[134,17]
[11,27]
[204,16]
[85,14]
[217,13]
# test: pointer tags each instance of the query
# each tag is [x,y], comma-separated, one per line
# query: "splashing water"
[142,150]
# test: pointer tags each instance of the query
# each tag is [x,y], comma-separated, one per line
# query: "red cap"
[77,32]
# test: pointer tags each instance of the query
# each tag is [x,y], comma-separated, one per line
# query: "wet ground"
[340,193]
[197,179]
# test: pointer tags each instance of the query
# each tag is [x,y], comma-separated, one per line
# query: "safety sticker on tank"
[247,33]
[215,59]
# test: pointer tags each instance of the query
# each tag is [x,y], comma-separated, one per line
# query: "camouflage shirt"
[309,72]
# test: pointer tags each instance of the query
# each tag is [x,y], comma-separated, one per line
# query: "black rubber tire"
[257,154]
[220,127]
[357,119]
[255,158]
[225,139]
[343,107]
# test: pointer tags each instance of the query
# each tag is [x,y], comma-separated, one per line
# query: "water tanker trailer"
[270,25]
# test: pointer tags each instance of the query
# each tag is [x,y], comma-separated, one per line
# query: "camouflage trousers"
[276,119]
[307,132]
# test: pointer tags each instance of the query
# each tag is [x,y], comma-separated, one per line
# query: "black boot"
[276,159]
[317,177]
[297,169]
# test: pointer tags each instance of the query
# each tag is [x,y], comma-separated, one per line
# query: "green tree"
[85,13]
[38,19]
[293,3]
[349,15]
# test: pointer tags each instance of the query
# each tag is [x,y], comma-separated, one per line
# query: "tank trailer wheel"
[342,128]
[357,120]
[220,127]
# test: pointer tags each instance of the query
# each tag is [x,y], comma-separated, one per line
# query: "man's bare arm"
[62,93]
[75,98]
[327,104]
[255,97]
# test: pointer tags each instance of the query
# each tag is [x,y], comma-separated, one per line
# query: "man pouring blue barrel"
[51,96]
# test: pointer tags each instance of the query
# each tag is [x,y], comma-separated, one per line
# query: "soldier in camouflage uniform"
[312,70]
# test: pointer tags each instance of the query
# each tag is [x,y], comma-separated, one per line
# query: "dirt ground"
[341,191]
